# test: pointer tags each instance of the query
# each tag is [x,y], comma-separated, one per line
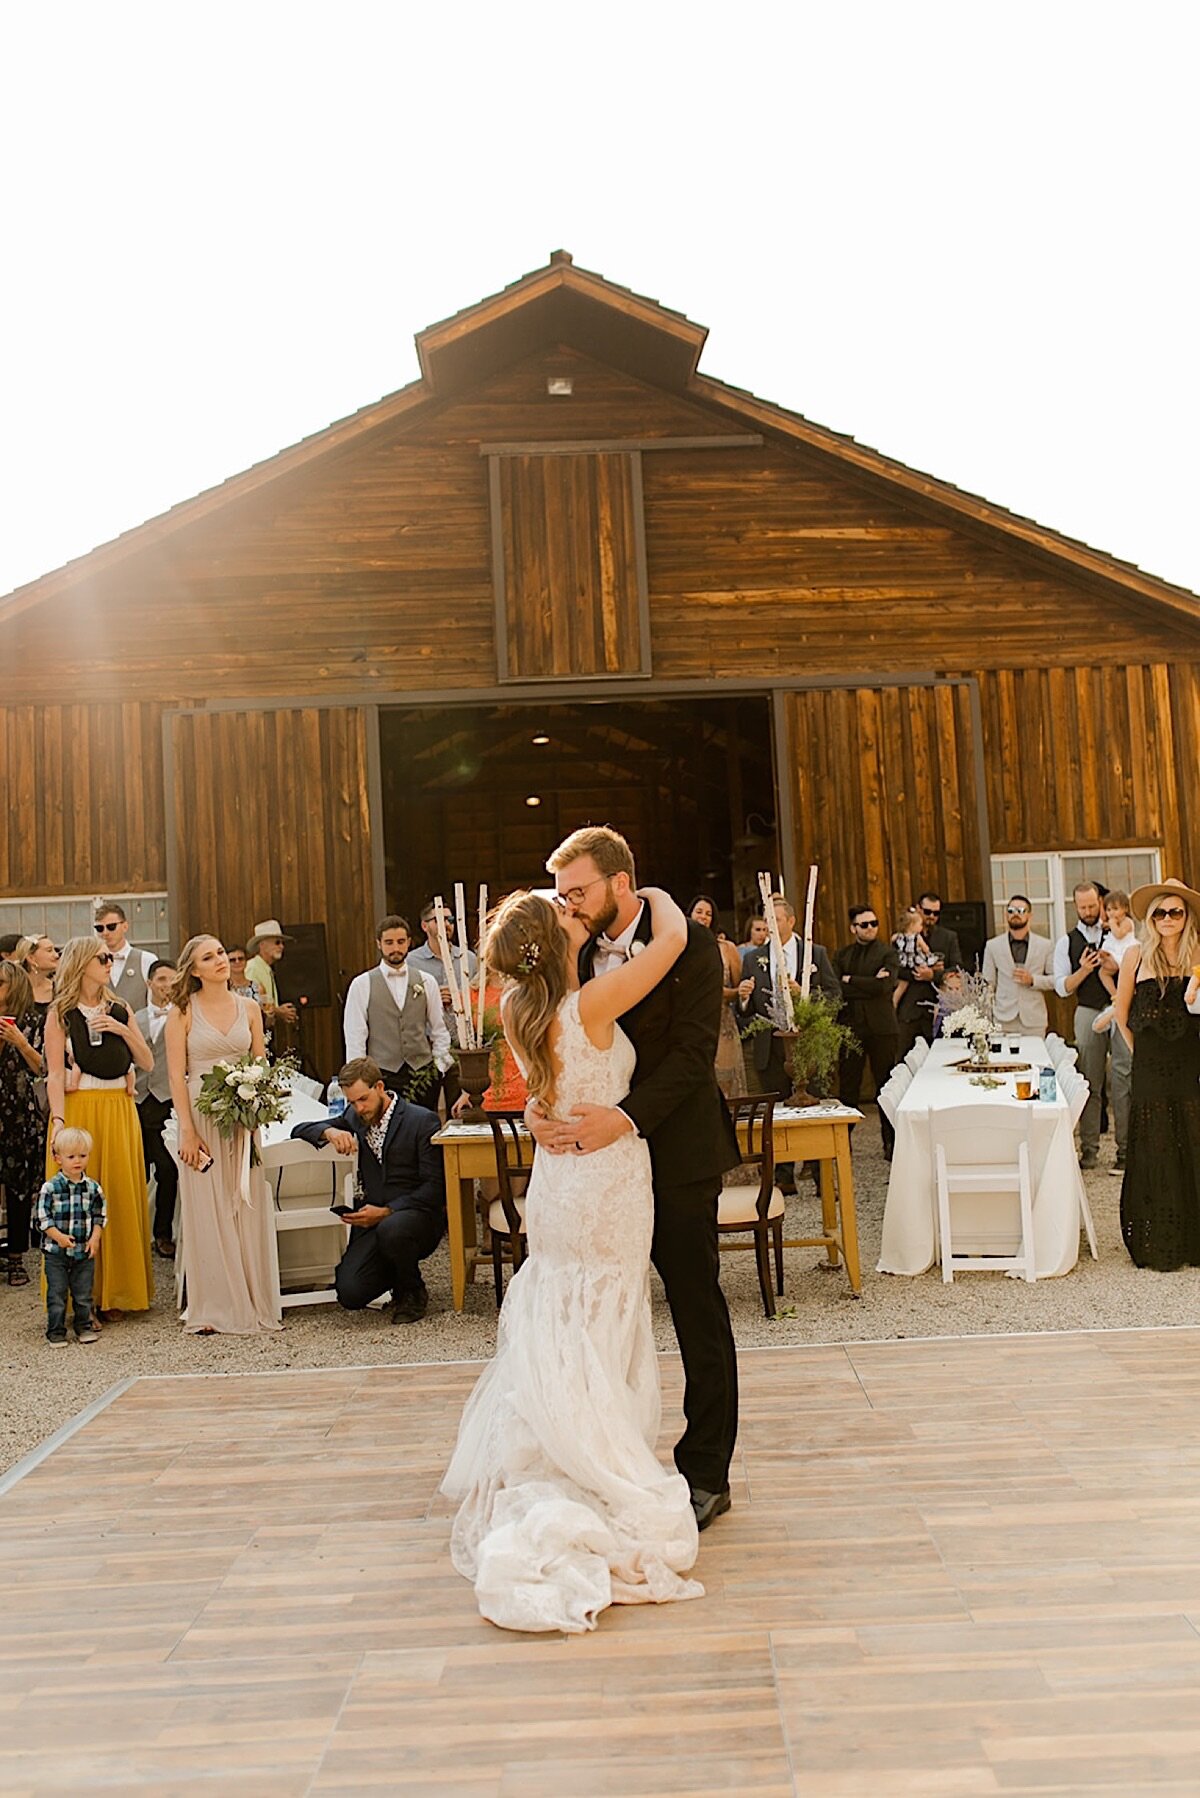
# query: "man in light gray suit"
[153,1095]
[1018,966]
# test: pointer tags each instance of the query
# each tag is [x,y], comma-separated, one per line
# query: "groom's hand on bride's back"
[588,1128]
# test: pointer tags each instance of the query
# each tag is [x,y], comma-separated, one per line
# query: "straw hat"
[271,927]
[1143,898]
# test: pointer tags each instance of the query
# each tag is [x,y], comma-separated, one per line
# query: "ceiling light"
[533,800]
[541,737]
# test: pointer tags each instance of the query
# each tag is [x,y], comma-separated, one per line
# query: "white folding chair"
[1061,1054]
[1053,1040]
[1076,1092]
[980,1149]
[894,1089]
[916,1055]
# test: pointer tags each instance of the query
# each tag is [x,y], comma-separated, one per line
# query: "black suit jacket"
[922,994]
[756,966]
[410,1177]
[866,999]
[674,1100]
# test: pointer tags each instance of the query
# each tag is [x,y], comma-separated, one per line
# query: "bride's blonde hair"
[526,943]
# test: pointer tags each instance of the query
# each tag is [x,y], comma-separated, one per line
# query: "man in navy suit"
[403,1215]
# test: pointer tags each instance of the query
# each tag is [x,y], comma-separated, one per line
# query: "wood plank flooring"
[953,1567]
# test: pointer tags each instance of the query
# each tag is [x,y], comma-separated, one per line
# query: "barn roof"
[561,303]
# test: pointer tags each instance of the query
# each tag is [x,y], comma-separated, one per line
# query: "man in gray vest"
[394,1016]
[153,1095]
[131,967]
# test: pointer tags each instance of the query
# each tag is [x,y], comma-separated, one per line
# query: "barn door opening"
[483,793]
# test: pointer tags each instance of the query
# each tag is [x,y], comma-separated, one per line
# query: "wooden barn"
[565,576]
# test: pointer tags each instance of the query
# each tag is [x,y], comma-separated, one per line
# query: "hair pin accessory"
[531,954]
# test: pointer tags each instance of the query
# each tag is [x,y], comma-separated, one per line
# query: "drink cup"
[1024,1087]
[95,1034]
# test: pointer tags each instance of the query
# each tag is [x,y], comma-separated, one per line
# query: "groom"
[676,1105]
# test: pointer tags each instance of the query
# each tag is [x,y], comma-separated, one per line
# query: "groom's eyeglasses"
[577,895]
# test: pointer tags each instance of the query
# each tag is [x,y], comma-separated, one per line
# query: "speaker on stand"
[302,977]
[968,918]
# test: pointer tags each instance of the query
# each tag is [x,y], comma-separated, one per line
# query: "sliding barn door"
[271,820]
[886,797]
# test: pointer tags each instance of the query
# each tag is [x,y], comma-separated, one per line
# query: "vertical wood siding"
[883,784]
[272,820]
[82,795]
[568,530]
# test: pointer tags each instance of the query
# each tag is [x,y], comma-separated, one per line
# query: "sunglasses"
[1017,911]
[101,928]
[928,912]
[1170,911]
[866,923]
[104,958]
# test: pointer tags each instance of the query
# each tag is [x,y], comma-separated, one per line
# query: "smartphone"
[205,1166]
[343,1210]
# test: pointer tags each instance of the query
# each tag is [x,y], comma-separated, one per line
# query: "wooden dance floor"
[952,1567]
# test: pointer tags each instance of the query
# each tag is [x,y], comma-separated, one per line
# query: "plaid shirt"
[75,1210]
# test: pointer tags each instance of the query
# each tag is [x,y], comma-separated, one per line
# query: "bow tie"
[605,946]
[160,1011]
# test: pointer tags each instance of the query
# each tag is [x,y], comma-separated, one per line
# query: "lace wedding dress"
[565,1506]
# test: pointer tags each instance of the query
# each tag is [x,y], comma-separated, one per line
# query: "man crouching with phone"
[403,1214]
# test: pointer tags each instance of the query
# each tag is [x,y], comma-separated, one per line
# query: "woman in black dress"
[22,1125]
[1160,1194]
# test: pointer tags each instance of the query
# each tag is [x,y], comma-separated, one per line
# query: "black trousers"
[387,1257]
[883,1052]
[152,1115]
[685,1253]
[918,1027]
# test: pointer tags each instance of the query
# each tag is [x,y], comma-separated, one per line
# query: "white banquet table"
[909,1243]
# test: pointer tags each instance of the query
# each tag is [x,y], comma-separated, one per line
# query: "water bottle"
[335,1098]
[1047,1086]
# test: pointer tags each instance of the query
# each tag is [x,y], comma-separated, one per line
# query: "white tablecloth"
[988,1227]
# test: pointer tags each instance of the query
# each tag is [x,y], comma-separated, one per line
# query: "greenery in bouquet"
[244,1094]
[817,1039]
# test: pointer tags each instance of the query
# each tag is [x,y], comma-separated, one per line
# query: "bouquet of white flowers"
[968,1020]
[242,1094]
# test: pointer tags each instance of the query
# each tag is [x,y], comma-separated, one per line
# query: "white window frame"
[27,913]
[1060,888]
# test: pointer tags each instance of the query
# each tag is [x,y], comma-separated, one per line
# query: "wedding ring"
[579,1145]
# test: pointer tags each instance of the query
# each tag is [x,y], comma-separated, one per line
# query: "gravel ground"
[44,1387]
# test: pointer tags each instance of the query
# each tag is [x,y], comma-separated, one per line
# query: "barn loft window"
[569,565]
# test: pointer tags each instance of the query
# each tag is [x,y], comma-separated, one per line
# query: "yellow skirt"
[123,1281]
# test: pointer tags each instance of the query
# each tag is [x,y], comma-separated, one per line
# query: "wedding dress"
[565,1507]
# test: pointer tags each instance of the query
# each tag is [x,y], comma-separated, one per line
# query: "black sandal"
[16,1271]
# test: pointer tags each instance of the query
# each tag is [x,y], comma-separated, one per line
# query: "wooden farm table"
[819,1133]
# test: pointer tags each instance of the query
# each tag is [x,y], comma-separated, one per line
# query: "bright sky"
[963,233]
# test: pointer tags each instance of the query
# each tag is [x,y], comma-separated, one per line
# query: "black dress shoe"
[710,1505]
[410,1307]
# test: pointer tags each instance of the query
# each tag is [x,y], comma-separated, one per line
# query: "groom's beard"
[597,923]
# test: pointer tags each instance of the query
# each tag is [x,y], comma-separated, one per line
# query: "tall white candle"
[460,1022]
[483,898]
[806,941]
[782,992]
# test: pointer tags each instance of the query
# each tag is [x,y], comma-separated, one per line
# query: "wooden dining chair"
[756,1205]
[506,1213]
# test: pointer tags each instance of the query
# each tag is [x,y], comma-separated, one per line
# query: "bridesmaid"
[103,1042]
[731,1070]
[226,1235]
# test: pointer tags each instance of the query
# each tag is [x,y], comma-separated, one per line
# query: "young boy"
[71,1214]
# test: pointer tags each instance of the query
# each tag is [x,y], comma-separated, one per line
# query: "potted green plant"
[814,1044]
[479,1067]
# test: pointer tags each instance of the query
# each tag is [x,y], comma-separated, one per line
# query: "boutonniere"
[636,947]
[764,962]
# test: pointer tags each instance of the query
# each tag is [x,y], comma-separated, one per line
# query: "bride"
[565,1507]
